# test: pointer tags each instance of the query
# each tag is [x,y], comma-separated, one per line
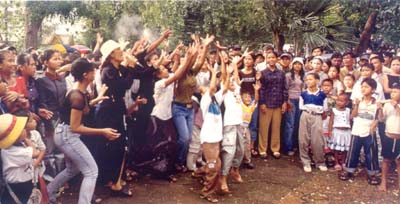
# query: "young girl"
[294,81]
[348,82]
[17,156]
[7,70]
[390,144]
[73,115]
[333,74]
[363,134]
[314,104]
[52,89]
[316,65]
[26,70]
[340,130]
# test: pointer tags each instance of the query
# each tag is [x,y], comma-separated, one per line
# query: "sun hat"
[10,129]
[109,46]
[299,60]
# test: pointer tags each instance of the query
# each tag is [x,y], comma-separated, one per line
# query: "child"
[247,110]
[363,134]
[390,143]
[327,87]
[340,130]
[333,74]
[195,145]
[348,82]
[313,102]
[17,157]
[210,137]
[34,136]
[366,72]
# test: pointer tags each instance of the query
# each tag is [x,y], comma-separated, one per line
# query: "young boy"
[247,111]
[17,156]
[366,73]
[210,137]
[390,140]
[363,134]
[327,88]
[313,103]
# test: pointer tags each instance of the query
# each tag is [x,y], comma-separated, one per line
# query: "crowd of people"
[202,107]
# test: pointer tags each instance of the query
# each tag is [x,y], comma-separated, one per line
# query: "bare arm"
[182,68]
[156,43]
[206,42]
[99,41]
[385,84]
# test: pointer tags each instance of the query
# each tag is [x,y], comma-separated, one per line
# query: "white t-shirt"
[392,119]
[203,78]
[378,95]
[37,141]
[211,132]
[163,97]
[17,164]
[233,107]
[363,121]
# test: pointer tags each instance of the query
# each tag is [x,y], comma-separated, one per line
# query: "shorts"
[390,148]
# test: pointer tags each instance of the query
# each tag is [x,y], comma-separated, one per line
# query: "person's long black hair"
[301,73]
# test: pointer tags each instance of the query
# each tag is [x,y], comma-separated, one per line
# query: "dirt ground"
[274,181]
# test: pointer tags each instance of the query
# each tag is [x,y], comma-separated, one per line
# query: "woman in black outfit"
[118,79]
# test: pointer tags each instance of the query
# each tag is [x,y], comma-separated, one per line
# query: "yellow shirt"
[247,112]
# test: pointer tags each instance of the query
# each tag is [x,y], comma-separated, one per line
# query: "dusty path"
[275,181]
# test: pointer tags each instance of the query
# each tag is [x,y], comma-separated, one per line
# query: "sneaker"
[322,168]
[290,153]
[307,168]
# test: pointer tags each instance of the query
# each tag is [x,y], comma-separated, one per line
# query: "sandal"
[96,199]
[172,179]
[374,180]
[344,175]
[124,193]
[338,167]
[209,198]
[181,168]
[254,153]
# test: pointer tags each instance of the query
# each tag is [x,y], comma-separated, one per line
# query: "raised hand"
[166,33]
[257,86]
[99,38]
[236,59]
[219,47]
[208,40]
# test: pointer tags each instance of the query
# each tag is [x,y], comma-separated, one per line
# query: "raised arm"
[99,41]
[182,68]
[156,43]
[205,43]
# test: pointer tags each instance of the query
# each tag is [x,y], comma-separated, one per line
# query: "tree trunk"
[279,40]
[366,34]
[32,27]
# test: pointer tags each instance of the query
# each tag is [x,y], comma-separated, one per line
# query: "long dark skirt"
[109,154]
[157,155]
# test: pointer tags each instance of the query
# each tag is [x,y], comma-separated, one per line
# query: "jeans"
[253,126]
[291,125]
[370,149]
[79,160]
[183,120]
